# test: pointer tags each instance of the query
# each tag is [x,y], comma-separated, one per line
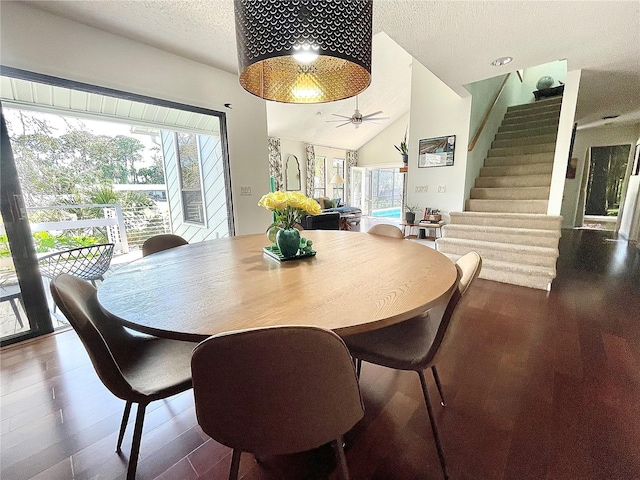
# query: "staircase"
[505,218]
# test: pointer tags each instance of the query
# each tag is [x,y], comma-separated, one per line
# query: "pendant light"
[304,51]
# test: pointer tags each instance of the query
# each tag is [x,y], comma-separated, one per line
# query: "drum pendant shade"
[304,51]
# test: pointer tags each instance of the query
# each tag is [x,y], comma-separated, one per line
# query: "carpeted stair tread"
[537,104]
[521,236]
[530,140]
[522,150]
[512,220]
[511,170]
[498,231]
[510,266]
[524,126]
[532,158]
[497,246]
[514,181]
[515,193]
[507,206]
[530,132]
[515,274]
[526,117]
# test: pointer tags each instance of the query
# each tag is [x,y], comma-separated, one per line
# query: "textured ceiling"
[456,40]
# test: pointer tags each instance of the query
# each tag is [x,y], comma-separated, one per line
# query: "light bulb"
[305,53]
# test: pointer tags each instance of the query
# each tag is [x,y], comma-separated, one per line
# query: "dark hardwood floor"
[539,385]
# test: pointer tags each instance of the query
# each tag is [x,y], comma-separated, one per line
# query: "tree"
[54,167]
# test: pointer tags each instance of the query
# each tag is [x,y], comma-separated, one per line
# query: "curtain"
[311,167]
[275,163]
[352,161]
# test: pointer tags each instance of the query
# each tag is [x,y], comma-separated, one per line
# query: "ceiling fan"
[357,118]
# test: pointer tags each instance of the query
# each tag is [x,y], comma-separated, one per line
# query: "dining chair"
[387,230]
[135,368]
[161,242]
[89,263]
[414,344]
[276,391]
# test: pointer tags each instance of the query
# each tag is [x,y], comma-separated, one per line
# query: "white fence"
[124,227]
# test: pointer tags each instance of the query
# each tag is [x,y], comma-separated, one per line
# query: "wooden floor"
[540,385]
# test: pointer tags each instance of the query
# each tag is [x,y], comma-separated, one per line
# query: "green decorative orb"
[271,233]
[545,82]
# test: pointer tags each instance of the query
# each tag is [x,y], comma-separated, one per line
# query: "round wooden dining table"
[356,282]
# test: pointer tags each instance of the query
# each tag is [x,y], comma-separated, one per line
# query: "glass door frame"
[16,224]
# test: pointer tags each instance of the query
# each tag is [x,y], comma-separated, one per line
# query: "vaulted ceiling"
[456,40]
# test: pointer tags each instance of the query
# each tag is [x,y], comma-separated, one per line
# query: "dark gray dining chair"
[414,344]
[276,391]
[135,368]
[163,241]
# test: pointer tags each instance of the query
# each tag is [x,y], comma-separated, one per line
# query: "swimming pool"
[387,212]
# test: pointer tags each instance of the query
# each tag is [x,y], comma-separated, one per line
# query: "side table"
[421,229]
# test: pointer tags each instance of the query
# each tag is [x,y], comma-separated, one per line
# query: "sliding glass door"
[23,310]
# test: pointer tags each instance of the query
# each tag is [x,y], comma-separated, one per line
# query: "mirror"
[293,173]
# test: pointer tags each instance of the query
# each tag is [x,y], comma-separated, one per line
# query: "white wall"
[629,221]
[573,203]
[482,95]
[380,150]
[563,142]
[437,111]
[43,43]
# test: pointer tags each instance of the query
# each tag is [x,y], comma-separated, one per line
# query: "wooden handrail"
[486,116]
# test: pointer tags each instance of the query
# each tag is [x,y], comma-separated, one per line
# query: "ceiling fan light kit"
[304,51]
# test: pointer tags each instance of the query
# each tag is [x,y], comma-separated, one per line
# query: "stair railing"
[486,115]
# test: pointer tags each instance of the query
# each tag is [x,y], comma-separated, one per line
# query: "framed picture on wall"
[636,161]
[436,152]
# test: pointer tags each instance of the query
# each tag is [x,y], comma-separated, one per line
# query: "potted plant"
[403,149]
[410,214]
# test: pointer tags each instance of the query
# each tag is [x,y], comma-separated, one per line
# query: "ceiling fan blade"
[370,119]
[341,116]
[372,114]
[346,123]
[347,119]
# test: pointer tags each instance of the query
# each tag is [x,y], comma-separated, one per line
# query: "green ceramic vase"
[288,241]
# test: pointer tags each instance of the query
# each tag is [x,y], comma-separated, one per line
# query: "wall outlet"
[421,188]
[245,190]
[442,188]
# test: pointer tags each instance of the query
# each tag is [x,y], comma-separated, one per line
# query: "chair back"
[88,263]
[162,242]
[386,230]
[468,266]
[101,335]
[276,390]
[322,221]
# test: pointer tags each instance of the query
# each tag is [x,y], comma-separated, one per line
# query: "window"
[338,169]
[190,178]
[319,179]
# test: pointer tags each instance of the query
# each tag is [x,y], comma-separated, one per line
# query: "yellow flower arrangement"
[289,207]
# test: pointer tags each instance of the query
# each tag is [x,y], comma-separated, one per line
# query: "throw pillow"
[328,203]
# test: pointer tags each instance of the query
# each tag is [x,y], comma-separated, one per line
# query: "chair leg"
[123,424]
[135,444]
[436,377]
[235,464]
[16,312]
[342,461]
[432,420]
